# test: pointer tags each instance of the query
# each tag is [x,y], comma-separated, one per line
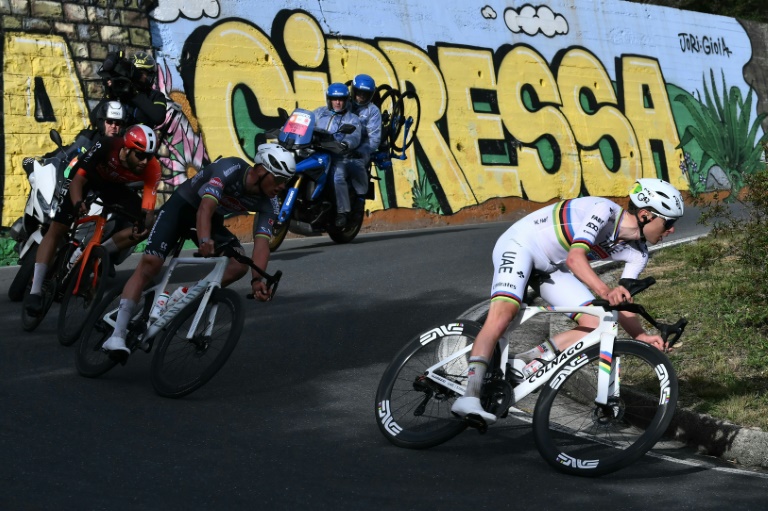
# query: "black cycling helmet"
[145,69]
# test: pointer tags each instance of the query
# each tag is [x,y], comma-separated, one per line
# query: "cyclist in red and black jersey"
[105,169]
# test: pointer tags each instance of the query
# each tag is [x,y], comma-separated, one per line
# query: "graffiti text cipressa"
[706,45]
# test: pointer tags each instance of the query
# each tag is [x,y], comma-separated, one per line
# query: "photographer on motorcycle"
[130,81]
[363,89]
[105,169]
[345,171]
[226,186]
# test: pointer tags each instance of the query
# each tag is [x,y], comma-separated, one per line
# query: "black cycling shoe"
[341,220]
[34,304]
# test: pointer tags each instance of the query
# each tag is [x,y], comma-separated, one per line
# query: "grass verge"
[723,356]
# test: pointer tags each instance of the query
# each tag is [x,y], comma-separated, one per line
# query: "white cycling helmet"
[112,110]
[276,159]
[664,199]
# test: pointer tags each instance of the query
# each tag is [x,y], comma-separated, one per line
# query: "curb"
[745,446]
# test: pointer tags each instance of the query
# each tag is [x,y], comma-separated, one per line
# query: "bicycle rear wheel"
[389,105]
[183,365]
[410,112]
[576,436]
[75,308]
[413,410]
[91,361]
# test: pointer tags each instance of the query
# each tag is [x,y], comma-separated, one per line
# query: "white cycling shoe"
[471,406]
[116,344]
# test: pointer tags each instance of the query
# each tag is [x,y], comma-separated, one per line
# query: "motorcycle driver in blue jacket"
[363,89]
[330,118]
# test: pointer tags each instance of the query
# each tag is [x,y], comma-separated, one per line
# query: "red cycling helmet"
[141,138]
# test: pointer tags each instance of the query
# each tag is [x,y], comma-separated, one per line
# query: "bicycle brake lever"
[675,331]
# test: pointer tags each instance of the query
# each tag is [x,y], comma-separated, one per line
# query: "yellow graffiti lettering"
[603,133]
[529,102]
[414,67]
[27,57]
[466,70]
[646,105]
[237,54]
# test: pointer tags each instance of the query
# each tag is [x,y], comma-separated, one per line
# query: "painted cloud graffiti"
[488,13]
[533,20]
[171,10]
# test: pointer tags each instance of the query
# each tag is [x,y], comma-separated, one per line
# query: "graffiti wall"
[535,101]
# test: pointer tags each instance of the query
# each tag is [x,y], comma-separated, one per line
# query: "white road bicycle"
[604,402]
[194,336]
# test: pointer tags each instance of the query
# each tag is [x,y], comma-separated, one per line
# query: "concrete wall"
[521,103]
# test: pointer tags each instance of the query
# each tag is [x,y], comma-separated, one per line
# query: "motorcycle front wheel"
[24,276]
[349,232]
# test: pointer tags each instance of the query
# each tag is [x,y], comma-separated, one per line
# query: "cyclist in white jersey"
[561,240]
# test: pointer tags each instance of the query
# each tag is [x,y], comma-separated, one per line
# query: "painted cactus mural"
[726,135]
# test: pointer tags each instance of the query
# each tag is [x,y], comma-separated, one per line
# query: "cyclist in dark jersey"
[106,168]
[229,185]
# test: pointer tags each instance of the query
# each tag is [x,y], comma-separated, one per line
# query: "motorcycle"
[309,205]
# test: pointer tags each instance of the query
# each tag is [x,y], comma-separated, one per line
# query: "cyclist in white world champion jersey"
[560,240]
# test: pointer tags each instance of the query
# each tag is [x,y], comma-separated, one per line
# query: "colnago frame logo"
[441,331]
[557,361]
[385,416]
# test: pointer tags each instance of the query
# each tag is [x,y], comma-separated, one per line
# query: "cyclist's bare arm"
[631,324]
[203,224]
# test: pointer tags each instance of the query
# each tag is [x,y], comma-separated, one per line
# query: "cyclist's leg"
[563,289]
[51,241]
[123,238]
[34,302]
[172,220]
[513,264]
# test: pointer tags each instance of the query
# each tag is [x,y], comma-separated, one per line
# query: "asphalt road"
[289,421]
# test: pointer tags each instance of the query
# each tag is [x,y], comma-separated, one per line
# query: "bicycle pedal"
[477,422]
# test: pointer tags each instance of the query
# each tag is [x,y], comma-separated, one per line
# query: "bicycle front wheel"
[412,409]
[579,437]
[50,289]
[75,307]
[91,362]
[186,360]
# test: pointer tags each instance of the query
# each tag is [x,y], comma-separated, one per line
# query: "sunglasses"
[668,222]
[279,180]
[141,156]
[113,122]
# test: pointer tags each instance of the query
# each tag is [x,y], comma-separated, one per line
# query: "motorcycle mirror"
[56,138]
[347,128]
